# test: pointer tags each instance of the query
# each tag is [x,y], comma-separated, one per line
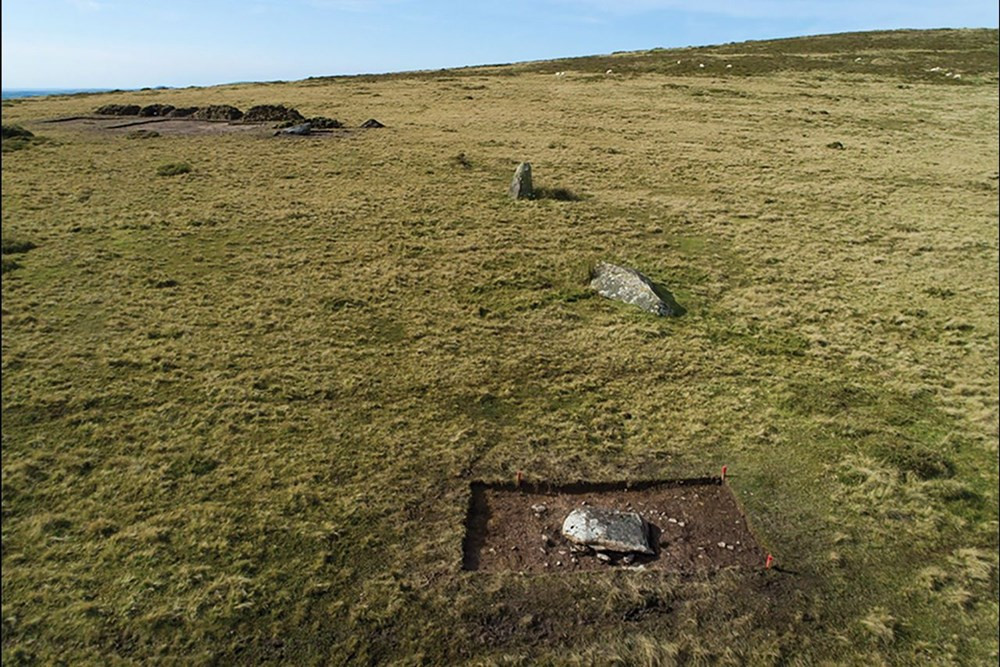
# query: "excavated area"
[695,525]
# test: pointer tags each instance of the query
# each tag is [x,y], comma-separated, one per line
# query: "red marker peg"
[519,478]
[723,473]
[768,562]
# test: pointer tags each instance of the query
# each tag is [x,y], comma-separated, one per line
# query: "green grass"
[242,410]
[173,169]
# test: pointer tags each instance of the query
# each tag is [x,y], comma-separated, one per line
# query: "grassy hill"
[243,403]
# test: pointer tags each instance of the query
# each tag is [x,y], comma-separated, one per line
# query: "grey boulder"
[300,130]
[628,285]
[607,530]
[520,186]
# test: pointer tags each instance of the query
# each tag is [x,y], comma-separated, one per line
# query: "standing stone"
[624,284]
[520,187]
[607,530]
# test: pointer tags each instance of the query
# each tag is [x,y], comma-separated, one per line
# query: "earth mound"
[154,110]
[218,112]
[272,112]
[118,110]
[14,131]
[324,123]
[183,112]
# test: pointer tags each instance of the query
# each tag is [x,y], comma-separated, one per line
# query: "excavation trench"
[695,525]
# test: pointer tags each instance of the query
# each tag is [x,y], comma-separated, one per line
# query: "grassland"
[243,404]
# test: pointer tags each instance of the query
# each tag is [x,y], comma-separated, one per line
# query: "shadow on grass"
[676,309]
[558,194]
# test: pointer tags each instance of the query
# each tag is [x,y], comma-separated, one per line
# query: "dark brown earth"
[172,126]
[696,526]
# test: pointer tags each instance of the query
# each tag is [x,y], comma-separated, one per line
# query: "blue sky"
[135,43]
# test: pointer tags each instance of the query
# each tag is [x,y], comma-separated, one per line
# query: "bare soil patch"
[695,525]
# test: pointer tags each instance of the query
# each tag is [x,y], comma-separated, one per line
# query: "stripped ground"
[694,526]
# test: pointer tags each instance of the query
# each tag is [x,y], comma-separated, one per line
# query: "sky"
[137,43]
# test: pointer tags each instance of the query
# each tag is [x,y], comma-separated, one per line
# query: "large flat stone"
[607,530]
[624,284]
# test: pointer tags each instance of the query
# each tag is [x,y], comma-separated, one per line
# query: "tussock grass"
[14,246]
[269,460]
[173,169]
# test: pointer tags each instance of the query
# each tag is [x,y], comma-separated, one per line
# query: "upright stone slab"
[520,187]
[624,284]
[607,530]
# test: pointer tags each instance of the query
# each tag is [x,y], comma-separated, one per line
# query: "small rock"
[603,557]
[680,523]
[513,547]
[558,563]
[722,545]
[672,520]
[628,560]
[520,186]
[628,285]
[539,509]
[730,547]
[371,124]
[836,145]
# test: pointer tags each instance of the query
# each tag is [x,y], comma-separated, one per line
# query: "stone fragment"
[628,285]
[520,186]
[371,124]
[539,509]
[607,530]
[299,130]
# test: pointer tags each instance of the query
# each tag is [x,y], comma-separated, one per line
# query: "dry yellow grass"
[242,405]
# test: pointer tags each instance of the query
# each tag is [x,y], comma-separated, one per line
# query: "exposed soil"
[695,525]
[118,110]
[218,112]
[154,110]
[173,126]
[272,112]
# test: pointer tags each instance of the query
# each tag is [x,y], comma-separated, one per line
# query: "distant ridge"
[14,93]
[904,53]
